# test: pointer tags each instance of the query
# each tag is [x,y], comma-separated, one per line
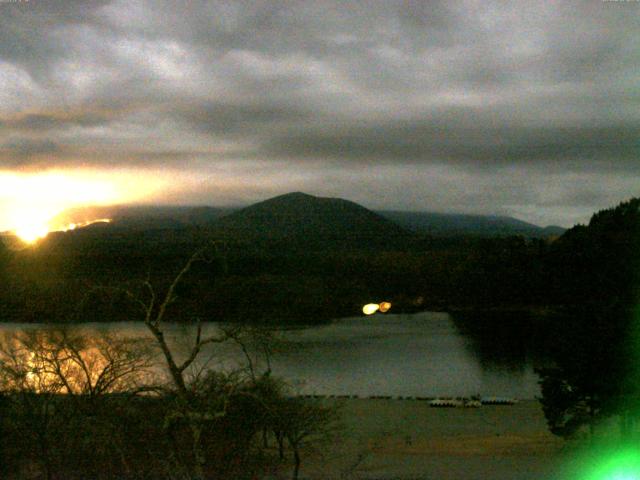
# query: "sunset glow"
[30,203]
[31,231]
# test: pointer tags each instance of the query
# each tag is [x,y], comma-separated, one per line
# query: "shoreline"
[385,439]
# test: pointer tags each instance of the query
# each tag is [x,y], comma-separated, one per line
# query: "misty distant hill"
[308,218]
[299,215]
[449,224]
[137,217]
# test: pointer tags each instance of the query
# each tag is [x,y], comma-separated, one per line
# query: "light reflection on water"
[400,355]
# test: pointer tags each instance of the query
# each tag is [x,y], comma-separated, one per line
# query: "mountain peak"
[295,195]
[301,216]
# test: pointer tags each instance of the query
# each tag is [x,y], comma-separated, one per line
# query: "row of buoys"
[454,402]
[498,401]
[471,402]
[446,402]
[330,396]
[433,402]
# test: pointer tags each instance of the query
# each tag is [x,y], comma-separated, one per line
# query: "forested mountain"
[299,258]
[293,213]
[311,221]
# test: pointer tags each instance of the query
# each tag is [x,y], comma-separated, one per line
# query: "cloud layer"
[525,108]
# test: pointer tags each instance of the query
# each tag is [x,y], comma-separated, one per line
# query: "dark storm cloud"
[45,121]
[478,86]
[226,118]
[482,147]
[35,122]
[25,153]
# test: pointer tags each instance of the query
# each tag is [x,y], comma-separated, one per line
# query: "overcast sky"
[530,109]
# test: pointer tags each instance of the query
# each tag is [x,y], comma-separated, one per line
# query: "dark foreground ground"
[404,439]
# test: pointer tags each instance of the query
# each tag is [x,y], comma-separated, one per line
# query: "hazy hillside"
[299,214]
[148,217]
[447,224]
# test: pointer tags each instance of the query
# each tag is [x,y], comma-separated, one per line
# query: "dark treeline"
[586,331]
[271,280]
[596,337]
[291,259]
[309,279]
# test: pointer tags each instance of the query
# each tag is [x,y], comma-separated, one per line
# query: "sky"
[529,109]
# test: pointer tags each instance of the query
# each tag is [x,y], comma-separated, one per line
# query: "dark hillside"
[300,258]
[139,217]
[315,221]
[594,275]
[599,263]
[451,224]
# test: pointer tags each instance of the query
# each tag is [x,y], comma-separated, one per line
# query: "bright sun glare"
[29,203]
[31,230]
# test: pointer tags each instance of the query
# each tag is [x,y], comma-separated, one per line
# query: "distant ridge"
[448,224]
[302,216]
[143,217]
[299,214]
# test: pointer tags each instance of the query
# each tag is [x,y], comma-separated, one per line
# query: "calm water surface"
[400,355]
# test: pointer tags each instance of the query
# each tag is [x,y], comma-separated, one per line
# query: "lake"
[423,354]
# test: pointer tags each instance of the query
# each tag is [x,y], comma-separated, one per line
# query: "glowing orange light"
[370,308]
[31,233]
[74,226]
[385,306]
[31,204]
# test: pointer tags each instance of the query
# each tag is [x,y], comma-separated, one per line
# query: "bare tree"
[258,344]
[303,423]
[205,399]
[154,309]
[42,370]
[24,386]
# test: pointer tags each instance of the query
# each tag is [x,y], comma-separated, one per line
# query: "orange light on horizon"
[31,233]
[29,203]
[74,226]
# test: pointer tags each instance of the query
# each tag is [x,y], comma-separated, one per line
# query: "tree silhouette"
[595,342]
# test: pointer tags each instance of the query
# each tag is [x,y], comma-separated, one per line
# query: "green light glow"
[620,464]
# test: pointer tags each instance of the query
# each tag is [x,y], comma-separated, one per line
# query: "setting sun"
[30,222]
[30,233]
[30,203]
